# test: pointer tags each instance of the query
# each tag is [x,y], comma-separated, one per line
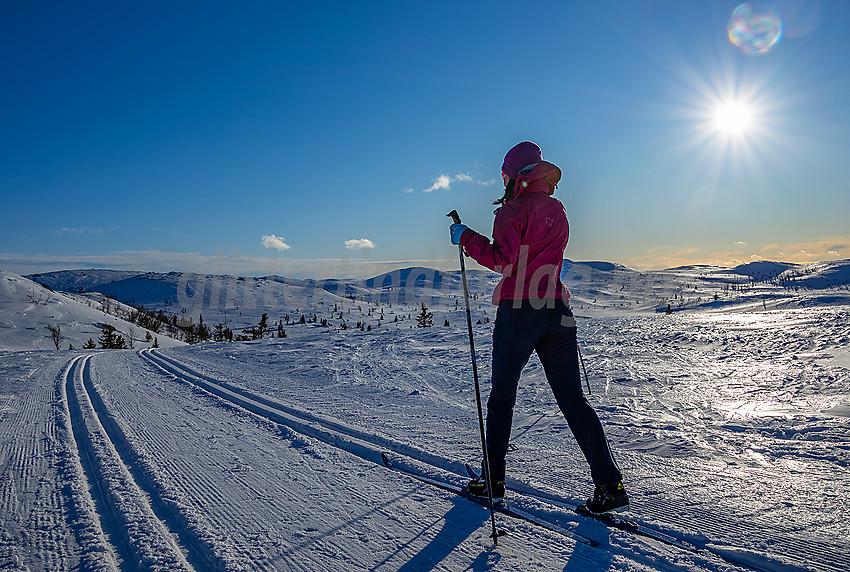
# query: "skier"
[530,234]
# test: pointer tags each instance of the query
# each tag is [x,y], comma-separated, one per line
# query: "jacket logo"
[549,222]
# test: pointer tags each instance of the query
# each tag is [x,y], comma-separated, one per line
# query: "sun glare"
[732,118]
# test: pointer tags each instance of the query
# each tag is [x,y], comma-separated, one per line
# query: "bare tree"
[56,335]
[38,300]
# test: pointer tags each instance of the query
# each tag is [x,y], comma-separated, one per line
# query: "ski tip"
[386,460]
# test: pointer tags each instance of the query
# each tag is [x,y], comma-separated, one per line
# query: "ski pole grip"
[455,216]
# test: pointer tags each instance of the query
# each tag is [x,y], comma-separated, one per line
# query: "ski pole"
[581,359]
[456,219]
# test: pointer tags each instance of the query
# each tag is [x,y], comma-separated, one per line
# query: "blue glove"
[456,231]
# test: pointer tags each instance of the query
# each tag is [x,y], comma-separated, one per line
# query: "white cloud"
[441,182]
[444,182]
[272,241]
[740,244]
[355,243]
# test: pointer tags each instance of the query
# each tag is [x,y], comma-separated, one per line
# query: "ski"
[499,507]
[609,519]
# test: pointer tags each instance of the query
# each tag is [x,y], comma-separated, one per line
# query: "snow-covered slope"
[389,300]
[392,300]
[27,309]
[601,288]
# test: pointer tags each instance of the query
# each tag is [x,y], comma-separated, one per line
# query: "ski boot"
[610,497]
[478,487]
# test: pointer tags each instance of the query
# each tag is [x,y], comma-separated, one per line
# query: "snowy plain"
[728,415]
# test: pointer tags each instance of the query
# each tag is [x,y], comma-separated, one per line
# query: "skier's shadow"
[457,526]
[584,557]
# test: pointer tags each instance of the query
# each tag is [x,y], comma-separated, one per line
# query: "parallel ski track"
[110,522]
[367,446]
[361,444]
[509,511]
[353,440]
[143,528]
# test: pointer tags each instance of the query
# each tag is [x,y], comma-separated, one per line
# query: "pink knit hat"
[520,156]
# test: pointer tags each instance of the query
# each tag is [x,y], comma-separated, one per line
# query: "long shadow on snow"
[294,552]
[458,525]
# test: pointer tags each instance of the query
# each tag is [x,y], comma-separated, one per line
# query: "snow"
[27,309]
[729,418]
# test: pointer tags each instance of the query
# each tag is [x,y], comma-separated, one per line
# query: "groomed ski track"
[367,446]
[246,475]
[370,447]
[144,531]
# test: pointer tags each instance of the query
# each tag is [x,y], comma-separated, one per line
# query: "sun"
[733,118]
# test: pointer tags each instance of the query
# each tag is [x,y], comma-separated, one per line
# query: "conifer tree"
[108,337]
[424,319]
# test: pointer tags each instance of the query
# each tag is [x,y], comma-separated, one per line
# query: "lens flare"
[754,27]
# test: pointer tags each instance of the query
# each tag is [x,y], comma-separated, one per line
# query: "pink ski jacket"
[530,233]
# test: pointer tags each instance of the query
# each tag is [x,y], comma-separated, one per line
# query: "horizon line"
[256,267]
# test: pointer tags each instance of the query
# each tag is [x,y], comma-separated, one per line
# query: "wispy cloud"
[272,241]
[444,182]
[84,230]
[358,243]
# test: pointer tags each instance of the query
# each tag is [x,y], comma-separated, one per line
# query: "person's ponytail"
[509,193]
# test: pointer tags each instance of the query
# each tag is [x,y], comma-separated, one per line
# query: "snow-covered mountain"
[27,309]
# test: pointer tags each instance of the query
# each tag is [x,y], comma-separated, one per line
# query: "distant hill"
[597,288]
[27,309]
[80,280]
[819,276]
[763,268]
[596,265]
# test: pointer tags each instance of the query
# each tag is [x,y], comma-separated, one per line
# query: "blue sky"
[266,137]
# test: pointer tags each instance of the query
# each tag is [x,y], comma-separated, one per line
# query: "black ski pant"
[550,331]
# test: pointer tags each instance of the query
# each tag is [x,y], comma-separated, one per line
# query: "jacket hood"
[541,177]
